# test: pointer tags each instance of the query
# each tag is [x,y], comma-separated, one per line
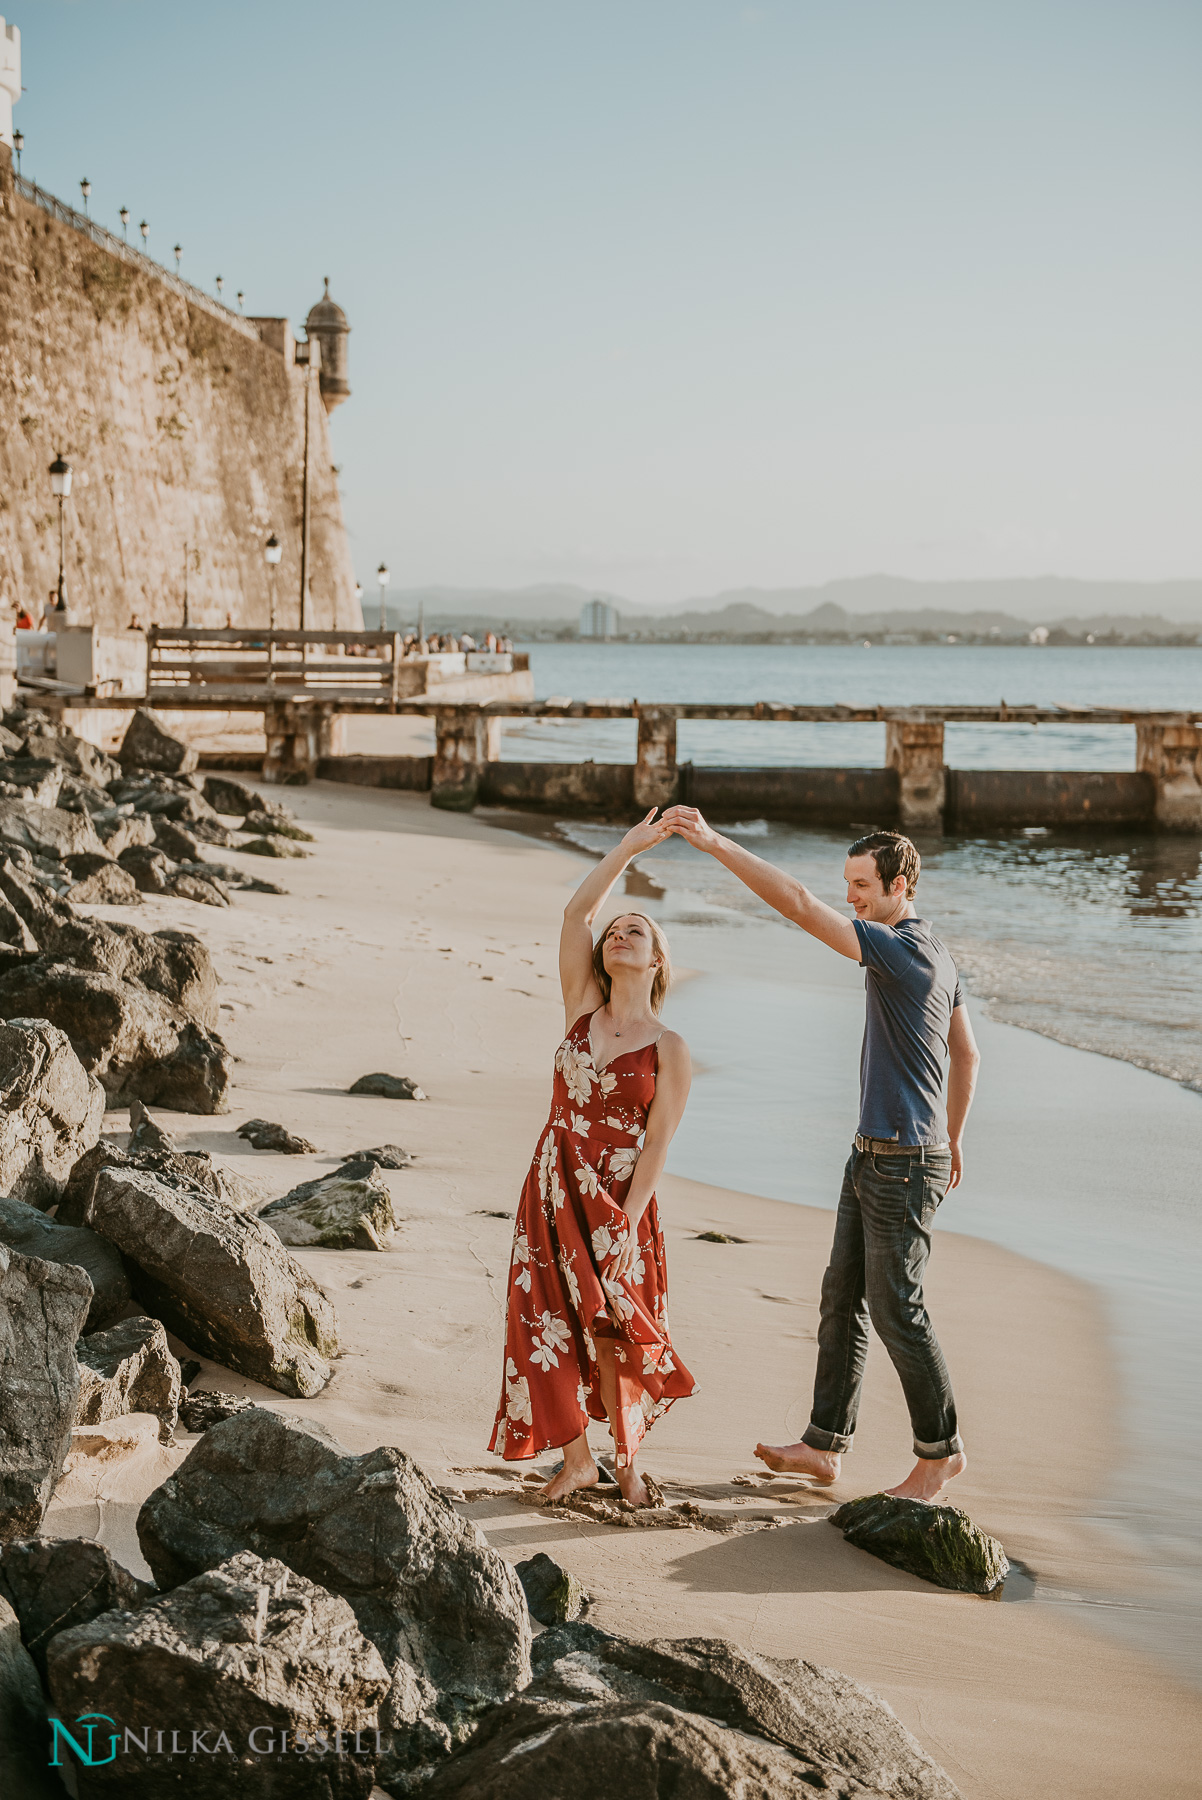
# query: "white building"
[598,619]
[10,79]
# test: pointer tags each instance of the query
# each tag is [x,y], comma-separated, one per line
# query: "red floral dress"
[569,1226]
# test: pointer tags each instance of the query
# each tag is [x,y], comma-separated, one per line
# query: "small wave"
[748,828]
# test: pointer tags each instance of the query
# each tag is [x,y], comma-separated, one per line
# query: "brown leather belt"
[888,1147]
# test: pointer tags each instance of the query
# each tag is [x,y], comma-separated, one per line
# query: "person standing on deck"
[906,1157]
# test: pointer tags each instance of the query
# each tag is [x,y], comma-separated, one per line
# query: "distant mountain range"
[867,603]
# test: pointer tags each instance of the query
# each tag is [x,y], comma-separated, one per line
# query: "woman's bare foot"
[819,1466]
[634,1491]
[927,1479]
[577,1472]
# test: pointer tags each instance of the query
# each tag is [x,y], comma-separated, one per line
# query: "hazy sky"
[665,296]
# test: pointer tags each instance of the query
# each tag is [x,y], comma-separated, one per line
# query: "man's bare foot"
[573,1475]
[927,1479]
[634,1491]
[819,1466]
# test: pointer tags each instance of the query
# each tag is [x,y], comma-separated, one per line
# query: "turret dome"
[327,323]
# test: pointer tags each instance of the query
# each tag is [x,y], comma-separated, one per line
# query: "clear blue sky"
[664,296]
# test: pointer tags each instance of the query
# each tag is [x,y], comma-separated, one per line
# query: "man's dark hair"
[893,855]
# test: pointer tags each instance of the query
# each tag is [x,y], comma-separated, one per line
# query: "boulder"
[149,867]
[231,877]
[195,1166]
[205,890]
[385,1156]
[58,743]
[99,881]
[334,1214]
[697,1717]
[43,1306]
[553,1595]
[388,1087]
[26,1229]
[55,1583]
[135,1042]
[246,1651]
[277,824]
[13,929]
[445,1611]
[220,1280]
[201,1411]
[32,778]
[148,744]
[272,846]
[20,883]
[937,1543]
[261,1134]
[51,1109]
[128,1369]
[173,963]
[46,830]
[24,1771]
[144,1133]
[175,840]
[120,830]
[234,798]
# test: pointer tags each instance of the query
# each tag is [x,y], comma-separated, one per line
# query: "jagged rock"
[13,929]
[697,1717]
[277,824]
[937,1543]
[333,1213]
[26,1229]
[138,787]
[188,1371]
[43,1306]
[144,1133]
[53,1584]
[99,881]
[212,831]
[128,1369]
[185,807]
[135,1041]
[261,1134]
[272,846]
[176,841]
[24,1771]
[388,1087]
[231,877]
[58,743]
[220,1280]
[385,1156]
[251,1649]
[32,778]
[199,1412]
[204,890]
[27,895]
[231,797]
[148,744]
[173,963]
[51,1109]
[446,1612]
[553,1594]
[47,830]
[11,743]
[120,830]
[149,867]
[195,1166]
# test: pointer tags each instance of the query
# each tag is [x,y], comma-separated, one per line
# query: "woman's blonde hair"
[663,975]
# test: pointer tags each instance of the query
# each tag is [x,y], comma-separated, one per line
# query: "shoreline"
[425,943]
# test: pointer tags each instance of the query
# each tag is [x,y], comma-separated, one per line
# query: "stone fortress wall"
[180,429]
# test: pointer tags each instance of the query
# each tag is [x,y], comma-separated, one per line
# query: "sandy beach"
[424,944]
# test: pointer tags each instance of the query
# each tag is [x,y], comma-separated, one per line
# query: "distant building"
[598,619]
[1039,635]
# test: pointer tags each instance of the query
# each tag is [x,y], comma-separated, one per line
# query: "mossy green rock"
[938,1543]
[553,1595]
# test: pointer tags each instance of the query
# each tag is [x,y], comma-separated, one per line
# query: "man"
[907,1153]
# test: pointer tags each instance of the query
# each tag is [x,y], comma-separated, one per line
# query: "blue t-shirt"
[911,990]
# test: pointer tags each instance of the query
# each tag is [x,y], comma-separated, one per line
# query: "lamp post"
[144,228]
[123,215]
[273,550]
[18,146]
[177,253]
[220,285]
[85,188]
[383,576]
[241,298]
[304,354]
[60,487]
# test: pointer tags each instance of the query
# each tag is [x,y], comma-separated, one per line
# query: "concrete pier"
[1172,756]
[655,771]
[915,749]
[466,739]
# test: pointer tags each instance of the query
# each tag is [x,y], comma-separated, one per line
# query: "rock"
[13,929]
[24,1771]
[120,831]
[697,1717]
[195,1166]
[60,744]
[385,1156]
[553,1595]
[32,778]
[937,1543]
[135,1041]
[144,1133]
[149,867]
[272,846]
[261,1134]
[250,1650]
[53,1584]
[334,1214]
[26,1229]
[128,1369]
[231,877]
[10,743]
[43,1306]
[220,1280]
[277,824]
[47,830]
[99,881]
[173,963]
[175,840]
[225,795]
[188,1371]
[41,911]
[388,1087]
[445,1611]
[209,1407]
[202,889]
[148,744]
[185,807]
[51,1109]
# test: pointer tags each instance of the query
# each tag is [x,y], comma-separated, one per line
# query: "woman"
[587,1330]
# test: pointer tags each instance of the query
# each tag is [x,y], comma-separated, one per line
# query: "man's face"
[866,891]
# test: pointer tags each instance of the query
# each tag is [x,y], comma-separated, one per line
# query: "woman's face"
[629,945]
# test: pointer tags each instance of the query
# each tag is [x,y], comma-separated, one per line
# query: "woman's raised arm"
[576,978]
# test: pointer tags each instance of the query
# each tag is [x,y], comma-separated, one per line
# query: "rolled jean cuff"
[834,1442]
[936,1452]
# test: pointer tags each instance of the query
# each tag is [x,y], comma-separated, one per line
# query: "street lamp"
[273,550]
[383,577]
[18,146]
[85,188]
[123,215]
[177,253]
[144,228]
[60,487]
[220,285]
[241,298]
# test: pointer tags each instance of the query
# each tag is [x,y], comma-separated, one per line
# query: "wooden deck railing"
[191,666]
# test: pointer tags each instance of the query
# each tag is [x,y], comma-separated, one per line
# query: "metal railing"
[193,665]
[127,253]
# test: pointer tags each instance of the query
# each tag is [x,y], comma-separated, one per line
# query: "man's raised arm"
[783,892]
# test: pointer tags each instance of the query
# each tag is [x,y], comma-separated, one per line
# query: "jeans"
[878,1259]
